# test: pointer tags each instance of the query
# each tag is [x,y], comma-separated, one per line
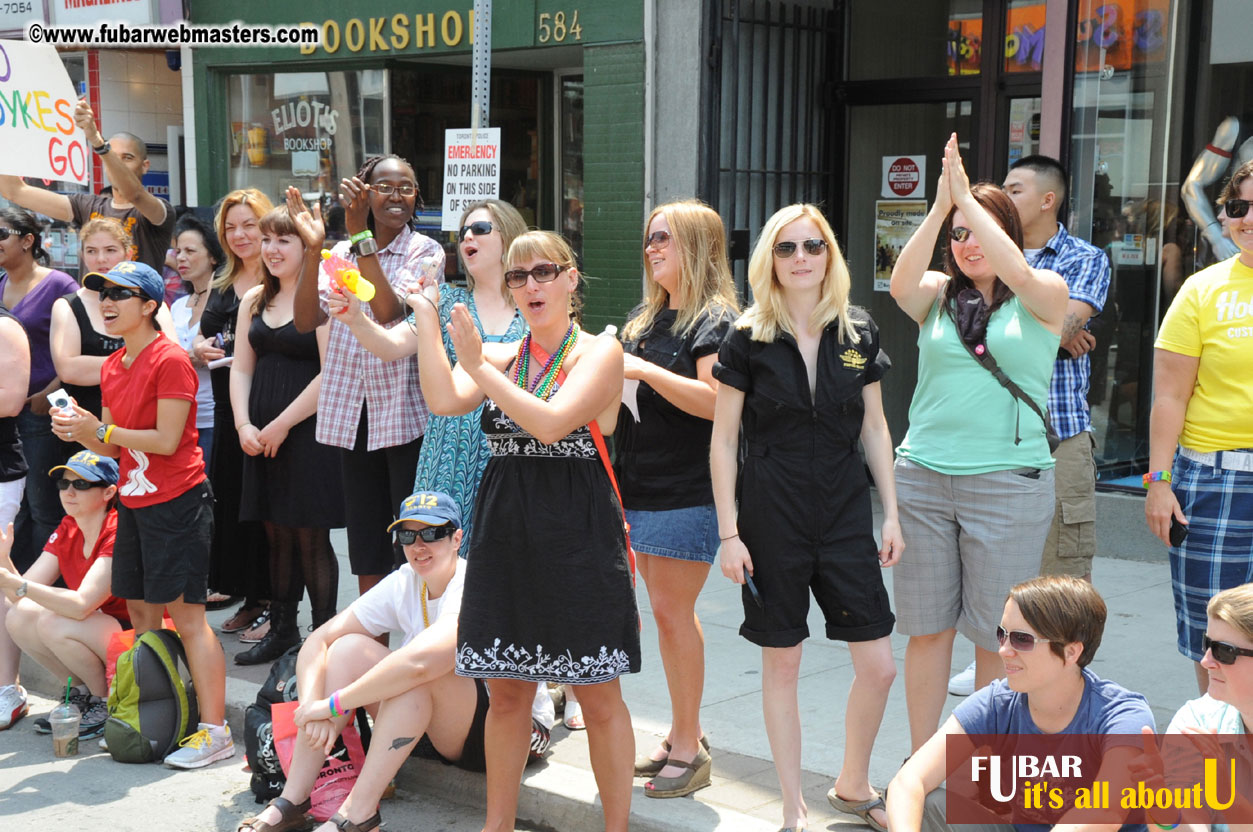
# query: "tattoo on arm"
[1070,327]
[401,742]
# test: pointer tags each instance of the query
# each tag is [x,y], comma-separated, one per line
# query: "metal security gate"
[769,136]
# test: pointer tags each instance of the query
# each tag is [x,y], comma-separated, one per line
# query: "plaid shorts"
[1217,554]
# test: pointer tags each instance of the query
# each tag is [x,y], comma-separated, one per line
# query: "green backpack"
[152,704]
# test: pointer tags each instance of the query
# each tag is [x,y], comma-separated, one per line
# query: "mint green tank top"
[961,420]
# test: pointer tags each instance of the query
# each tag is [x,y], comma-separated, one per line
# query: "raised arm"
[448,391]
[35,199]
[914,286]
[307,313]
[354,195]
[125,183]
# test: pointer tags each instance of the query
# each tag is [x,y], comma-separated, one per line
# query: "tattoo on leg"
[401,742]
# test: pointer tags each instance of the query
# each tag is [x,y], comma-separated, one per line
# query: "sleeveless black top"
[12,463]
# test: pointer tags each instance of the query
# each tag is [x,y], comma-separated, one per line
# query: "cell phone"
[752,589]
[1178,531]
[59,399]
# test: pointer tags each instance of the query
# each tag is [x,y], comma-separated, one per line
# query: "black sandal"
[343,824]
[292,818]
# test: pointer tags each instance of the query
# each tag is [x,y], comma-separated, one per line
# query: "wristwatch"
[102,432]
[102,150]
[20,592]
[365,247]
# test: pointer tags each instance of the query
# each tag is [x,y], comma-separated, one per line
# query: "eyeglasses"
[119,293]
[387,189]
[960,233]
[480,229]
[543,273]
[1020,641]
[1236,208]
[1223,652]
[6,233]
[407,537]
[657,240]
[787,248]
[78,485]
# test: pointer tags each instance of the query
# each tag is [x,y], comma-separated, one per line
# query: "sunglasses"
[1236,208]
[119,293]
[543,273]
[6,233]
[1223,652]
[787,248]
[657,240]
[81,485]
[480,229]
[386,189]
[1020,641]
[407,537]
[960,234]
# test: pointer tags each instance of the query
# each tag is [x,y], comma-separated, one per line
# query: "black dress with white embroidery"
[548,593]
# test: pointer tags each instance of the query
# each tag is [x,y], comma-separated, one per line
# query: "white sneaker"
[12,705]
[208,745]
[963,684]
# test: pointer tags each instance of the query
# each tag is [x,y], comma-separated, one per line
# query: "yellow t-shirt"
[1212,319]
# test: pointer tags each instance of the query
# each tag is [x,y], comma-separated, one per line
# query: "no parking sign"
[904,177]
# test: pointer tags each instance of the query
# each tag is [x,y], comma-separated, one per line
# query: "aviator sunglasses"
[1020,641]
[407,537]
[787,248]
[1236,208]
[1223,652]
[657,240]
[480,229]
[81,485]
[543,273]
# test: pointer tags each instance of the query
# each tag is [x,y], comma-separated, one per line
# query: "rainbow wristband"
[333,704]
[1156,476]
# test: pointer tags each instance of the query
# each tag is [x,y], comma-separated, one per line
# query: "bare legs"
[205,658]
[65,646]
[673,586]
[874,670]
[780,668]
[927,663]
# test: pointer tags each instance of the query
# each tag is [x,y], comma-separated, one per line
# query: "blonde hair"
[769,314]
[260,205]
[110,226]
[1235,607]
[699,239]
[507,222]
[546,245]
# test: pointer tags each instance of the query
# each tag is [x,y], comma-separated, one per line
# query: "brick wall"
[613,181]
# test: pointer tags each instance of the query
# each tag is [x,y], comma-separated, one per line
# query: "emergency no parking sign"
[904,177]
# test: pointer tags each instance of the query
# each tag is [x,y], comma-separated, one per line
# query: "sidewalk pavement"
[1138,651]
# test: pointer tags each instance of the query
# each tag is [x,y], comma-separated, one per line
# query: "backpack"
[152,703]
[280,686]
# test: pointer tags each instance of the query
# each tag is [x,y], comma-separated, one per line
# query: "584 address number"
[557,27]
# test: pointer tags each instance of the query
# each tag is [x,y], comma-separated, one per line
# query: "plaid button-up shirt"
[352,376]
[1086,271]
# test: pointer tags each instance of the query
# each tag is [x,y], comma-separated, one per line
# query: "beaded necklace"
[543,383]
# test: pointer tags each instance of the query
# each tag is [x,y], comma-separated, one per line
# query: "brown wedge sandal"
[292,818]
[343,824]
[646,766]
[696,777]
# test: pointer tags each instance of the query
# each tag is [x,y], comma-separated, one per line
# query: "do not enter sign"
[904,176]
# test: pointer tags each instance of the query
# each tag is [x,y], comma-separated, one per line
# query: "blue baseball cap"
[434,508]
[132,275]
[91,467]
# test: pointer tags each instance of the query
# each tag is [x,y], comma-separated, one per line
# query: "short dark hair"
[191,222]
[1052,170]
[141,147]
[1065,610]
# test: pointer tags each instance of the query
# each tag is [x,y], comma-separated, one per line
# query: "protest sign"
[37,128]
[471,171]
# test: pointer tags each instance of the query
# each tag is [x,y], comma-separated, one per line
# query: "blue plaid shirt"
[1086,271]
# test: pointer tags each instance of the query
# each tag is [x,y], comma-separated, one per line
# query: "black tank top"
[91,342]
[12,463]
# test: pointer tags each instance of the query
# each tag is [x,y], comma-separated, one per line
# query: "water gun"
[345,278]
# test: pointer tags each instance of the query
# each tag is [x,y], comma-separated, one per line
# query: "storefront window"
[307,129]
[571,202]
[1024,35]
[908,39]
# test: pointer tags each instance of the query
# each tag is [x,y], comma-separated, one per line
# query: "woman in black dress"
[546,520]
[291,482]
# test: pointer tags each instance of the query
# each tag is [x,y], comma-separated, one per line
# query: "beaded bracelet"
[1156,476]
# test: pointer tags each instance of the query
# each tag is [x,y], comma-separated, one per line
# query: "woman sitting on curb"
[409,692]
[68,630]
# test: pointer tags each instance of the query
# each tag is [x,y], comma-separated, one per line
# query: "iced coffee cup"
[65,721]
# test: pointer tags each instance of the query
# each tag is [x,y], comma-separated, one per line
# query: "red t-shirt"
[161,371]
[67,544]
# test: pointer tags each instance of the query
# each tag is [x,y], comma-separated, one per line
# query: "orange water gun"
[345,277]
